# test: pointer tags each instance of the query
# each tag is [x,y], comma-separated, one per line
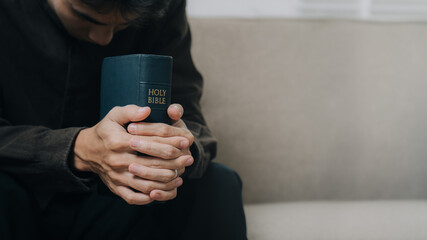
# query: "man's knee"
[223,176]
[17,214]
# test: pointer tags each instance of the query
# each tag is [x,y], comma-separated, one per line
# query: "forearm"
[39,157]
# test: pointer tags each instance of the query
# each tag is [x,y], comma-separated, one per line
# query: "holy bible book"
[140,79]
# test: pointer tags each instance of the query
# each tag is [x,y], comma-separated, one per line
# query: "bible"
[140,79]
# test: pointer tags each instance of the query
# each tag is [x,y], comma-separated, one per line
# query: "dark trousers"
[206,208]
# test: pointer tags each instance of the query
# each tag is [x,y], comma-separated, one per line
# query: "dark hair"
[145,10]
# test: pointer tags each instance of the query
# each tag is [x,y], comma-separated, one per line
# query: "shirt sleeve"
[38,157]
[187,86]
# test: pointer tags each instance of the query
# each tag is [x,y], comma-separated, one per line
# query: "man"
[64,173]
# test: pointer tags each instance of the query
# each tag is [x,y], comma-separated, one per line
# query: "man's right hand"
[105,150]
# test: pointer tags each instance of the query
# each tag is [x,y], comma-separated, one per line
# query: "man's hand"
[108,150]
[165,131]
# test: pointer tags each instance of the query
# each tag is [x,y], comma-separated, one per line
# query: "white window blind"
[332,8]
[399,9]
[365,9]
[387,10]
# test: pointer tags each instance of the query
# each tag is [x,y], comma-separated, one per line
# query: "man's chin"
[95,43]
[84,39]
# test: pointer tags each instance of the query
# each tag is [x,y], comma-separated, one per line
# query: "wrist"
[79,164]
[83,151]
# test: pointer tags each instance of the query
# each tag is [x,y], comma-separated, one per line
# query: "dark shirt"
[50,84]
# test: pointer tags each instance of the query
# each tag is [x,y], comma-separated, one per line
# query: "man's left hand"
[176,129]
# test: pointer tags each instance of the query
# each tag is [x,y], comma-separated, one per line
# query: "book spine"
[157,97]
[155,86]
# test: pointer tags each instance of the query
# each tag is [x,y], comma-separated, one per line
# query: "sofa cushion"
[364,220]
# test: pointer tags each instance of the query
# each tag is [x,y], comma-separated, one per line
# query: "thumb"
[128,113]
[175,111]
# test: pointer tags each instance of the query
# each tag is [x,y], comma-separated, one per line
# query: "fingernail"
[132,128]
[189,161]
[141,109]
[184,143]
[178,108]
[178,182]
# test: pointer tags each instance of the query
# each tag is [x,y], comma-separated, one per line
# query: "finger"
[112,137]
[162,130]
[146,186]
[161,195]
[178,142]
[158,163]
[128,113]
[160,175]
[175,111]
[181,171]
[132,197]
[120,161]
[154,149]
[180,124]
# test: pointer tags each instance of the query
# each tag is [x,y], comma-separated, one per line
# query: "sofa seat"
[361,220]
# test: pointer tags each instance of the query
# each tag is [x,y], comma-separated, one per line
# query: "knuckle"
[113,143]
[115,178]
[131,106]
[132,202]
[145,188]
[179,165]
[156,164]
[143,172]
[168,176]
[171,185]
[112,188]
[115,109]
[173,195]
[190,136]
[117,163]
[147,146]
[164,130]
[149,188]
[182,162]
[135,142]
[170,152]
[130,198]
[164,178]
[108,159]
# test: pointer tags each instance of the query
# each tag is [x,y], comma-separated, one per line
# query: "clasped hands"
[110,151]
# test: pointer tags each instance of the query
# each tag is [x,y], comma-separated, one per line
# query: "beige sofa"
[325,121]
